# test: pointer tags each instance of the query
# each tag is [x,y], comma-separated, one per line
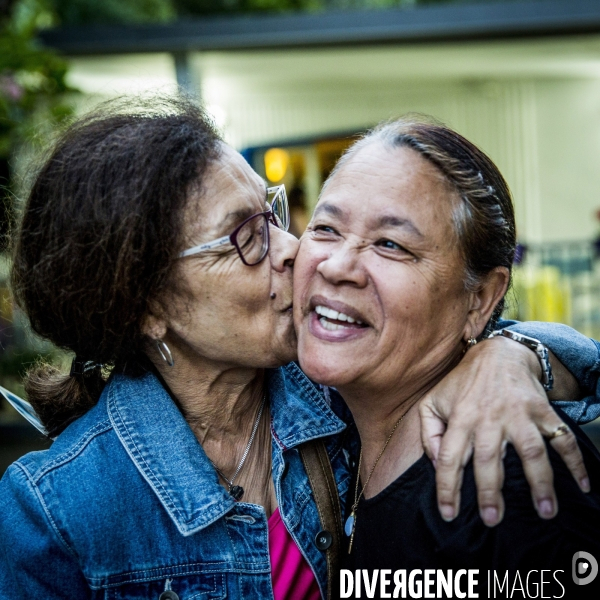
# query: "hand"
[493,397]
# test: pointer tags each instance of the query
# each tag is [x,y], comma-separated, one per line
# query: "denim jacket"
[581,356]
[126,505]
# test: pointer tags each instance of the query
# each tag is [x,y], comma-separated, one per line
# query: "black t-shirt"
[401,529]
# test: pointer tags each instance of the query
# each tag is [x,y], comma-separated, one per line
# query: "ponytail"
[58,397]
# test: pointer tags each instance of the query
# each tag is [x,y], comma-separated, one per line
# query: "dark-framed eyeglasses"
[251,237]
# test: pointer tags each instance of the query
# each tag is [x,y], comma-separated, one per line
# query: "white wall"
[534,106]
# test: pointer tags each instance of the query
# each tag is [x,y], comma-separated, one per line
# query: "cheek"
[435,310]
[236,293]
[305,268]
[415,300]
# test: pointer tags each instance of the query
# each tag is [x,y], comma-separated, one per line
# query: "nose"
[284,247]
[343,265]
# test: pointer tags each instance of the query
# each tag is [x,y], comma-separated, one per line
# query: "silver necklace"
[237,491]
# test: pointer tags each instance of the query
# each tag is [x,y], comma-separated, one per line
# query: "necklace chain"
[352,518]
[244,456]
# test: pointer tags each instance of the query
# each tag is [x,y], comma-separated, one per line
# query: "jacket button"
[168,595]
[323,540]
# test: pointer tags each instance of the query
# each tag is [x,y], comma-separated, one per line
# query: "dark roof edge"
[453,22]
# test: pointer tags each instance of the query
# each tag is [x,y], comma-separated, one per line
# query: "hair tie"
[82,367]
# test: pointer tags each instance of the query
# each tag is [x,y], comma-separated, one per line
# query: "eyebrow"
[393,221]
[380,222]
[237,216]
[334,211]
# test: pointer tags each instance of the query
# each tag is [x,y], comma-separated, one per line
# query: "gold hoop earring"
[164,352]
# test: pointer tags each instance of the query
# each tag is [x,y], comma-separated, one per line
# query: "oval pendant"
[349,526]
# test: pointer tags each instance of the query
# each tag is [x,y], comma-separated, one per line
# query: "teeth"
[329,313]
[330,326]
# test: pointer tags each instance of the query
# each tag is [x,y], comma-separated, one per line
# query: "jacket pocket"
[188,587]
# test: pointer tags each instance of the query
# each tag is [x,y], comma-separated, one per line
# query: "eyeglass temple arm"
[207,246]
[23,408]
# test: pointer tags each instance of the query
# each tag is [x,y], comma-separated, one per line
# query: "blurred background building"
[292,82]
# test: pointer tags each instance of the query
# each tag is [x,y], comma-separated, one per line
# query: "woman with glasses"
[150,249]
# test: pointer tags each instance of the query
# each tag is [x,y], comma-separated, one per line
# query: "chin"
[325,369]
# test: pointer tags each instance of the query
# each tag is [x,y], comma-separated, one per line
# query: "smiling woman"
[403,267]
[409,253]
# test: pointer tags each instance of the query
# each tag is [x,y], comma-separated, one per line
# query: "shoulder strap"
[320,475]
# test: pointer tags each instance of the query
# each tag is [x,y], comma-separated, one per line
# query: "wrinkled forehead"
[230,191]
[392,178]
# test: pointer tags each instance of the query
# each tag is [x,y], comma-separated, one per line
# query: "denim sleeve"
[34,561]
[579,354]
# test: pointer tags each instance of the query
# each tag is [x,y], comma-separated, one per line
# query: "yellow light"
[276,164]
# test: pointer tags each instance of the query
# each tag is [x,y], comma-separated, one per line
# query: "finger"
[531,449]
[488,450]
[568,448]
[432,431]
[454,453]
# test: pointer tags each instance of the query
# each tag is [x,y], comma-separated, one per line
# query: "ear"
[484,301]
[154,327]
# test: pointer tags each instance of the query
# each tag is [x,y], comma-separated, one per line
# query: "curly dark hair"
[99,236]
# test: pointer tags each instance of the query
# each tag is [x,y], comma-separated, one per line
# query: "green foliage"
[78,12]
[31,78]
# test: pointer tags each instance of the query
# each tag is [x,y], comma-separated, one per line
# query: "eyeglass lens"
[252,239]
[277,199]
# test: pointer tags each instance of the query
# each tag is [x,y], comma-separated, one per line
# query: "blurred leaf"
[32,78]
[32,87]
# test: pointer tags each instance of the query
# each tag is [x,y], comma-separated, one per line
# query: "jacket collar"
[167,454]
[299,410]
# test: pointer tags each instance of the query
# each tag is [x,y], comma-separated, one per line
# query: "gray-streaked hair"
[484,218]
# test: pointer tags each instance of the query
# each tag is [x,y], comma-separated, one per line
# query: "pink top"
[292,578]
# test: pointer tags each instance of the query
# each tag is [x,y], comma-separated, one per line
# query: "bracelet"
[540,350]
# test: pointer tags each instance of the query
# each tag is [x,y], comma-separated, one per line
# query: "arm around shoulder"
[578,354]
[494,396]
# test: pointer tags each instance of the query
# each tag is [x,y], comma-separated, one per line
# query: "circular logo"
[585,568]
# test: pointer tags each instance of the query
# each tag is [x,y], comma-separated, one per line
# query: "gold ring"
[562,429]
